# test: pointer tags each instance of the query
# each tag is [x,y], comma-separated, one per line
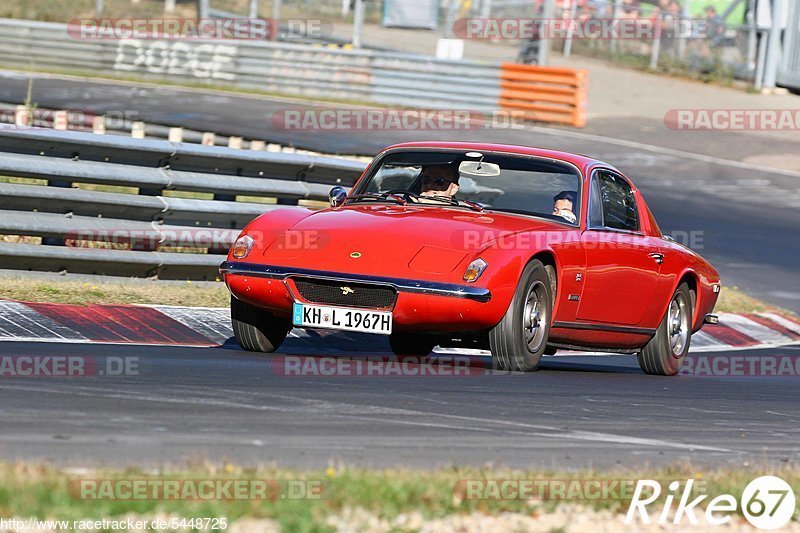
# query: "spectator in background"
[715,26]
[631,9]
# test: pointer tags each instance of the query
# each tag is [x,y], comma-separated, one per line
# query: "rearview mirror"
[479,168]
[337,196]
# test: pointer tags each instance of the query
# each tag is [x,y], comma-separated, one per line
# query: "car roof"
[581,161]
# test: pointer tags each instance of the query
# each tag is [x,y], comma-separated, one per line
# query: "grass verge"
[324,500]
[185,293]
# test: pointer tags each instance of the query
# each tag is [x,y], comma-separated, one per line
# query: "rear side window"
[613,203]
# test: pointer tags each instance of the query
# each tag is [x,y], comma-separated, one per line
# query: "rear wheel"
[411,344]
[664,354]
[520,339]
[257,330]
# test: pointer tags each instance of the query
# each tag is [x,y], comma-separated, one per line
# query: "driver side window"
[613,203]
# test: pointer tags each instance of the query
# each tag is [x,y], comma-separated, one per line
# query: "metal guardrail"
[370,76]
[150,233]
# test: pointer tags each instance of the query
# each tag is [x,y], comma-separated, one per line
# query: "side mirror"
[337,196]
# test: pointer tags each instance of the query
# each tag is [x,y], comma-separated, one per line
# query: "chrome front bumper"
[433,288]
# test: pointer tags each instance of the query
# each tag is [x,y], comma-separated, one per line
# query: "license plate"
[345,318]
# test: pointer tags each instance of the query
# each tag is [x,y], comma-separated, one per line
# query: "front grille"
[347,294]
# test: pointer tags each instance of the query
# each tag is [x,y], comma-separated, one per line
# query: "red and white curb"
[206,326]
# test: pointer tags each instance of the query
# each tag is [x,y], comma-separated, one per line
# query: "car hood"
[389,240]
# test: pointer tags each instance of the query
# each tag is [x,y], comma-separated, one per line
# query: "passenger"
[563,204]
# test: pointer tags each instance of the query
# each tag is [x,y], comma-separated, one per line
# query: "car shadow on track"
[338,347]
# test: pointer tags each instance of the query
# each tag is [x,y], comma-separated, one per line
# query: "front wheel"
[520,339]
[255,329]
[666,351]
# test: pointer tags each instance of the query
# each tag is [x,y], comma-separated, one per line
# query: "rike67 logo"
[767,502]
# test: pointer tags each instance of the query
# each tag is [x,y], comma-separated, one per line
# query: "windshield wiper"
[475,206]
[379,196]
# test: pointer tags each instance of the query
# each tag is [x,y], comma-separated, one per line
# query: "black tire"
[411,344]
[666,351]
[257,330]
[508,340]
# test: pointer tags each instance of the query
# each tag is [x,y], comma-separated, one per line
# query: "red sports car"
[519,250]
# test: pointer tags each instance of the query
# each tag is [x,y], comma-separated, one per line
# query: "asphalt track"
[742,217]
[222,403]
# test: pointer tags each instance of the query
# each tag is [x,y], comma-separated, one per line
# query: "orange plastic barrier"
[544,94]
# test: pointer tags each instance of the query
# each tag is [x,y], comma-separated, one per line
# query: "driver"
[563,204]
[439,180]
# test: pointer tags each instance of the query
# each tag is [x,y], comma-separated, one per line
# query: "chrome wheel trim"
[535,316]
[678,325]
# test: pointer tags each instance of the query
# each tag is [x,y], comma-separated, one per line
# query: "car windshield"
[469,179]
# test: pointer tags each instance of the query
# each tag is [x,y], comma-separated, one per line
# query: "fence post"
[358,22]
[548,15]
[682,37]
[486,8]
[656,48]
[573,11]
[773,46]
[615,19]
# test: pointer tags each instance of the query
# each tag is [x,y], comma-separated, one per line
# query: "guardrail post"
[99,125]
[22,116]
[208,139]
[175,135]
[257,145]
[235,142]
[137,130]
[60,120]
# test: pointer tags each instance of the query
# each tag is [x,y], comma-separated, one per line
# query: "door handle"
[658,257]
